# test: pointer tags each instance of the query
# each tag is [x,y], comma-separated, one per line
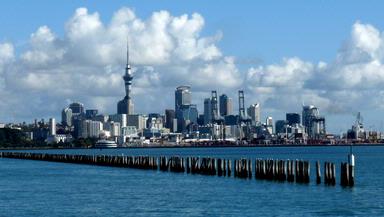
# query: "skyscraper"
[52,127]
[182,96]
[66,117]
[185,112]
[309,113]
[77,108]
[169,116]
[269,124]
[254,112]
[207,111]
[225,105]
[125,106]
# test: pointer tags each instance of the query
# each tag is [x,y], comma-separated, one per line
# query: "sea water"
[39,188]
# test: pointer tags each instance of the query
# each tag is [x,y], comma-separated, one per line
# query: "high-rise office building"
[66,117]
[269,124]
[280,126]
[309,113]
[182,96]
[207,111]
[254,112]
[185,112]
[186,115]
[314,125]
[52,127]
[77,108]
[169,116]
[226,107]
[125,106]
[292,118]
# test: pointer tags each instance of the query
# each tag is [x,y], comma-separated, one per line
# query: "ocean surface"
[36,188]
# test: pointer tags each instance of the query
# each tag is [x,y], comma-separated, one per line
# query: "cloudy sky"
[281,54]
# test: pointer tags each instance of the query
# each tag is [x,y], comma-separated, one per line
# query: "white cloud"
[87,62]
[6,54]
[351,82]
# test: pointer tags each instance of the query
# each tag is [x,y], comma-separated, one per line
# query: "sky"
[281,53]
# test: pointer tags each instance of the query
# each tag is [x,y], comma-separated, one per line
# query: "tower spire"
[127,51]
[128,66]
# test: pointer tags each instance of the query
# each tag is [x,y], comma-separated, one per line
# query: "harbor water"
[40,188]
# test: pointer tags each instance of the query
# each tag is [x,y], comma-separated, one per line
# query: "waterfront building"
[125,106]
[292,118]
[226,107]
[207,111]
[314,124]
[77,108]
[254,112]
[66,117]
[52,127]
[269,124]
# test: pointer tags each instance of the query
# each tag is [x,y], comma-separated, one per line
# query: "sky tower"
[125,106]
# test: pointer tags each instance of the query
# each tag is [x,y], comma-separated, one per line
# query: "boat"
[103,143]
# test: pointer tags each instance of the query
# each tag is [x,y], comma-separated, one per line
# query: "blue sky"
[255,33]
[264,30]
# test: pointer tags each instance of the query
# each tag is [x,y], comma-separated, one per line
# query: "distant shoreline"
[210,146]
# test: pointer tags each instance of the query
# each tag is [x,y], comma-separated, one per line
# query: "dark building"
[186,115]
[225,105]
[200,120]
[292,118]
[90,113]
[231,119]
[77,108]
[169,116]
[280,126]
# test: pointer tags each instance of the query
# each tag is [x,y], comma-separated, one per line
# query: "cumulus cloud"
[86,63]
[352,81]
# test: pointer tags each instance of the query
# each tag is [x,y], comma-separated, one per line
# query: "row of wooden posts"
[264,169]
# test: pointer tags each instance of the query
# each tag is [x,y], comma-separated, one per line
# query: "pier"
[276,170]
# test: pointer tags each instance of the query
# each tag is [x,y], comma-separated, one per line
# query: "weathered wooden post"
[351,168]
[318,173]
[229,168]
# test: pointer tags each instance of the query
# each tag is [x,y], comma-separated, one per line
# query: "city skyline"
[41,74]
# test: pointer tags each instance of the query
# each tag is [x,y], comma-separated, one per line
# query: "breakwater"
[264,169]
